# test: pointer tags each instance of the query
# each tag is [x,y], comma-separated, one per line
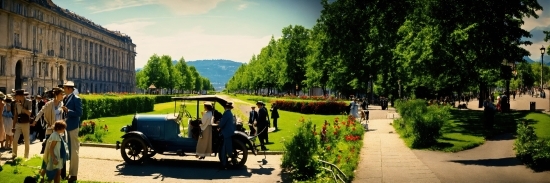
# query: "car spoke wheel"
[239,155]
[133,150]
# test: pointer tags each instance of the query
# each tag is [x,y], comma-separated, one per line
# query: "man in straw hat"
[21,109]
[227,129]
[73,110]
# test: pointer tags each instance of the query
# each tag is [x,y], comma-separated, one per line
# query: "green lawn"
[17,171]
[465,129]
[287,125]
[541,125]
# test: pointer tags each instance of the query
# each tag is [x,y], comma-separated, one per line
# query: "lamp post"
[33,70]
[542,50]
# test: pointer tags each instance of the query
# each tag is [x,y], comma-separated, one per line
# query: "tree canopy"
[439,46]
[160,71]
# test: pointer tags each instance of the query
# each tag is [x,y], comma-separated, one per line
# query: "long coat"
[262,119]
[74,106]
[274,112]
[227,125]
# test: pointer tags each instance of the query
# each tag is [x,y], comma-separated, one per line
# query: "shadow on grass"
[471,122]
[500,162]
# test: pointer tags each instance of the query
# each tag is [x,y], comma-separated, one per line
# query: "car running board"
[181,153]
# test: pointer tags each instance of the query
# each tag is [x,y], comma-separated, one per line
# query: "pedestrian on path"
[7,118]
[2,129]
[252,120]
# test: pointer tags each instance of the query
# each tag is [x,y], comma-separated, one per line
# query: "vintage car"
[152,134]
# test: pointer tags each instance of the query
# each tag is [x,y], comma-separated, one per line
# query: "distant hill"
[218,71]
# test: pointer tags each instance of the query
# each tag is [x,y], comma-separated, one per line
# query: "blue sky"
[197,29]
[217,29]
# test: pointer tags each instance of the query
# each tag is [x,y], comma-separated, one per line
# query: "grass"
[465,129]
[18,170]
[541,125]
[287,125]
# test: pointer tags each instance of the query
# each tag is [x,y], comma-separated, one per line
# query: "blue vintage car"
[158,133]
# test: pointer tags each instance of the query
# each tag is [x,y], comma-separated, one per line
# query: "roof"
[211,98]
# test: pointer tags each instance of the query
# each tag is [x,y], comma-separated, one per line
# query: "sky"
[219,29]
[197,29]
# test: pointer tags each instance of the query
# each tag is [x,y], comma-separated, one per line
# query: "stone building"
[43,45]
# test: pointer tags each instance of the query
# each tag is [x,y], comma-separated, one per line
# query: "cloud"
[242,7]
[180,7]
[192,44]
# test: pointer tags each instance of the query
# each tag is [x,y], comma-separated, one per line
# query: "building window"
[3,65]
[39,46]
[2,4]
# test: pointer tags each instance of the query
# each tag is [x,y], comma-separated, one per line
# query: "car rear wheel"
[133,150]
[239,155]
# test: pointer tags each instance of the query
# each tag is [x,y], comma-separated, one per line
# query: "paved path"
[520,103]
[384,156]
[106,164]
[493,161]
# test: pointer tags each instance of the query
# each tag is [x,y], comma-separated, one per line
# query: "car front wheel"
[133,150]
[239,155]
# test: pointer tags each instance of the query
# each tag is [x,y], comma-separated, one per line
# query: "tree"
[157,73]
[174,77]
[197,82]
[142,80]
[186,77]
[294,42]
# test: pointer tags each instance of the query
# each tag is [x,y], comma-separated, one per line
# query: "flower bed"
[313,107]
[93,131]
[338,143]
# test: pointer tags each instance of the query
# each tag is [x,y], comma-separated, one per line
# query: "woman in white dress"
[204,144]
[2,130]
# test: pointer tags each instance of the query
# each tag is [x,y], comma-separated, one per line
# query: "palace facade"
[43,45]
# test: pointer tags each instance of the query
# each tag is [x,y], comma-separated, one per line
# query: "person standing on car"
[251,120]
[73,110]
[227,129]
[274,115]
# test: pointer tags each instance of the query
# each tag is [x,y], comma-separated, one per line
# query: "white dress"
[8,123]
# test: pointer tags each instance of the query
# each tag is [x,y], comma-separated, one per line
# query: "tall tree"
[186,77]
[157,73]
[295,40]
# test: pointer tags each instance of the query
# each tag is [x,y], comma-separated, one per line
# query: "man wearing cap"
[227,129]
[21,109]
[253,116]
[73,110]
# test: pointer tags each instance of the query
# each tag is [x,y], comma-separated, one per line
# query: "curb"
[114,146]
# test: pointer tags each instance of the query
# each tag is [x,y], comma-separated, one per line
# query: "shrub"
[420,123]
[115,106]
[531,150]
[312,107]
[299,158]
[92,131]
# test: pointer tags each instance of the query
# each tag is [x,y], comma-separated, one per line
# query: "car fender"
[140,135]
[244,138]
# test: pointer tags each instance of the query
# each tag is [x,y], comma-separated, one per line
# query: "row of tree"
[423,47]
[160,72]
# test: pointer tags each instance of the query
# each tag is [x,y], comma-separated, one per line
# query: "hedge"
[312,107]
[116,106]
[532,151]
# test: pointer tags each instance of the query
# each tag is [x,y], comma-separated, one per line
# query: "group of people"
[226,126]
[56,119]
